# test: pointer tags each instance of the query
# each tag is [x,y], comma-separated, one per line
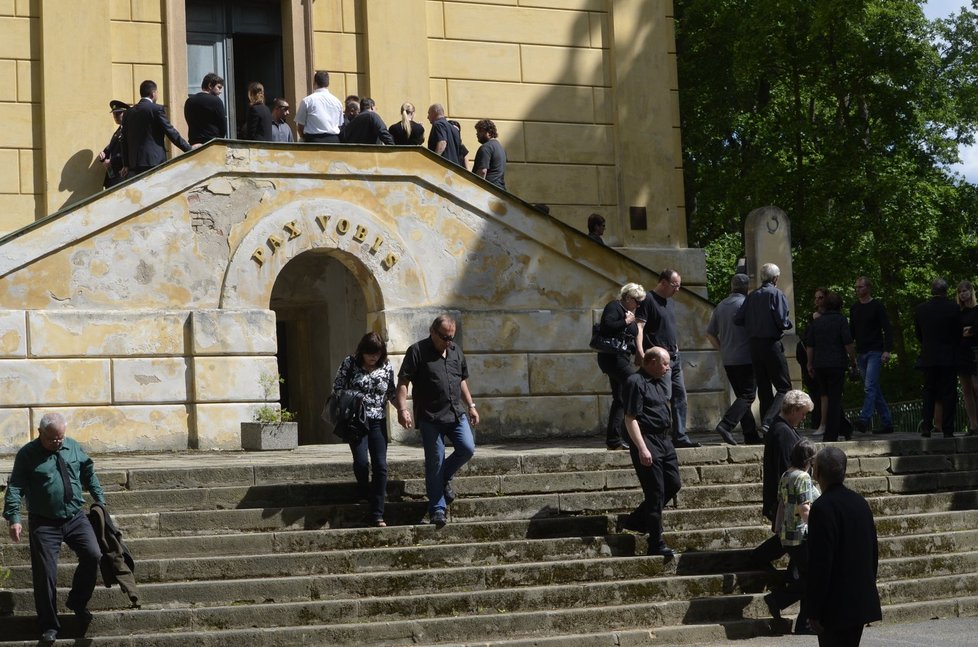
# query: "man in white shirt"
[320,114]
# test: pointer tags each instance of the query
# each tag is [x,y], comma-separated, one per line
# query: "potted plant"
[273,427]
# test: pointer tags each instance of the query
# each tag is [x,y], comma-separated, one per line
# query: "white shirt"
[320,113]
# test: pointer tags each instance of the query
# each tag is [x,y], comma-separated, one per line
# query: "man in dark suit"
[143,129]
[367,127]
[843,557]
[937,329]
[204,111]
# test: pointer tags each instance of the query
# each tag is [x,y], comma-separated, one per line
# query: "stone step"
[701,599]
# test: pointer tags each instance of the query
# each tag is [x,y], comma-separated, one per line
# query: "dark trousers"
[771,372]
[617,368]
[321,138]
[677,400]
[370,452]
[660,482]
[769,550]
[842,637]
[745,391]
[940,385]
[830,383]
[794,585]
[46,537]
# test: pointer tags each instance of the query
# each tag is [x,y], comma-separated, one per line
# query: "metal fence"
[907,416]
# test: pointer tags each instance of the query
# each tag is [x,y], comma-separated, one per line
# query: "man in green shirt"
[49,472]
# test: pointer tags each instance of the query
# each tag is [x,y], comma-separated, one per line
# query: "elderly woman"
[830,349]
[796,493]
[618,321]
[967,368]
[779,440]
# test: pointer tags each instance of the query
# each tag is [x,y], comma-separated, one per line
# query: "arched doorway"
[321,311]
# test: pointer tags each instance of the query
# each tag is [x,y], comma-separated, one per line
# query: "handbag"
[345,412]
[602,344]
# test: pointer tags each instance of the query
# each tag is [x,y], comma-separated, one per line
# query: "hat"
[116,106]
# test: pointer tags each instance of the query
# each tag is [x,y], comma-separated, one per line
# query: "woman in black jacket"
[618,321]
[828,343]
[258,126]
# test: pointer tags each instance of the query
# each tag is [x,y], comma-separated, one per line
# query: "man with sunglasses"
[442,407]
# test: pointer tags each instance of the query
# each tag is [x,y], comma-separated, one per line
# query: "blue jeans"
[869,366]
[371,450]
[437,469]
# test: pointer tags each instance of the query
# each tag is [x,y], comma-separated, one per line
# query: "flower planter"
[261,436]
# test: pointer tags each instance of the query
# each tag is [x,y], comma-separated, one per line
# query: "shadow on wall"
[77,177]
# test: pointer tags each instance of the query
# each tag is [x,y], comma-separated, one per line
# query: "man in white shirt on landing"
[320,114]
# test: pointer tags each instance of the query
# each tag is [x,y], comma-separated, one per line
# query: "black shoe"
[973,432]
[926,434]
[614,447]
[438,520]
[949,435]
[686,444]
[861,425]
[661,551]
[753,439]
[772,608]
[83,614]
[448,493]
[726,435]
[49,636]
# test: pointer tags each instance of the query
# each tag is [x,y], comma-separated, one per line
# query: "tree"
[846,115]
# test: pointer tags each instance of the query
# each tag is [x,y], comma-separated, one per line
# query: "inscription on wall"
[343,227]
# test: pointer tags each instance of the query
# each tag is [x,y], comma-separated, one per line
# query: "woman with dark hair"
[828,343]
[801,355]
[796,493]
[370,372]
[258,124]
[967,368]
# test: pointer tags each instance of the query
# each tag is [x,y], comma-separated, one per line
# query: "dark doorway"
[321,313]
[241,40]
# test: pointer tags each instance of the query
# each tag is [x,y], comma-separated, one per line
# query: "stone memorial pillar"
[767,239]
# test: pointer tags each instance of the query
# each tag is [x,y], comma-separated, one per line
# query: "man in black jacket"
[937,329]
[367,127]
[204,111]
[143,129]
[843,557]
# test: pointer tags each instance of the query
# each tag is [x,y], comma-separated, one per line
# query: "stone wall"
[144,315]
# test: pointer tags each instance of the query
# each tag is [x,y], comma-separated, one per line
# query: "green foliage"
[267,414]
[845,115]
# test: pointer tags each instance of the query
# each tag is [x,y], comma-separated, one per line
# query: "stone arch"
[369,246]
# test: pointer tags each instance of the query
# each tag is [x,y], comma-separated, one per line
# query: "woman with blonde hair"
[407,132]
[618,322]
[967,366]
[258,123]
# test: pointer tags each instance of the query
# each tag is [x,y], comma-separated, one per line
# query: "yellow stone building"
[148,312]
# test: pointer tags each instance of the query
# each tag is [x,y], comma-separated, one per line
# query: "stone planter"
[262,436]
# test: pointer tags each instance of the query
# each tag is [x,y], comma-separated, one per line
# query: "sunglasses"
[445,337]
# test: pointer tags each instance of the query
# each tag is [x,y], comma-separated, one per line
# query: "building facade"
[154,307]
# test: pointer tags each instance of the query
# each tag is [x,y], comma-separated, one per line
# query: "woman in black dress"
[828,343]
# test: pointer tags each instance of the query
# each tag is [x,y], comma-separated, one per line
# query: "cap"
[117,106]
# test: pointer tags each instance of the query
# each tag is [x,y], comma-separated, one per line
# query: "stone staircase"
[271,552]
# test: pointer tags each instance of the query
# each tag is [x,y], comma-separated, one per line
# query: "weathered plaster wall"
[144,314]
